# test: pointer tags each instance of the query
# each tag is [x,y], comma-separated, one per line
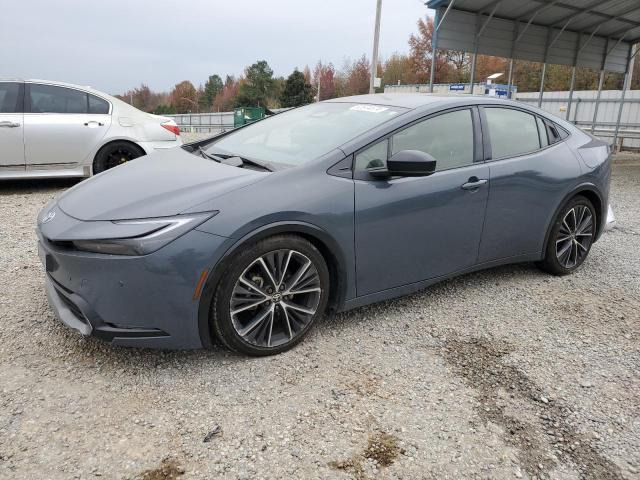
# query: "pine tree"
[296,91]
[212,87]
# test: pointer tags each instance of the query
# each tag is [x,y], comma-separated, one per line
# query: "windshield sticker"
[369,108]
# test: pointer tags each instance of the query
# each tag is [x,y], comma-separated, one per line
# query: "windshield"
[303,134]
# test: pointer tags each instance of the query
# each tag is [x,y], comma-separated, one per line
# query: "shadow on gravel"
[13,187]
[487,278]
[501,386]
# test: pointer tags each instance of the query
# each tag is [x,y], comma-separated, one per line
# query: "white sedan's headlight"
[161,231]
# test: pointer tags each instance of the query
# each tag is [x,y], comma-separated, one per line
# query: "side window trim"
[477,137]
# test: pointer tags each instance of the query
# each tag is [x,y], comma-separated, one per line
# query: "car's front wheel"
[571,237]
[270,295]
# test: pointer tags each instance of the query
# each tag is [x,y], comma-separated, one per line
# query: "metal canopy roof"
[595,34]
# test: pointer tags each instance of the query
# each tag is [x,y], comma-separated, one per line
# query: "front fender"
[318,236]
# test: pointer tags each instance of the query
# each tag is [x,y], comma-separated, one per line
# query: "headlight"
[160,232]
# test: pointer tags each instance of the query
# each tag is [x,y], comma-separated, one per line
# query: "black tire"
[566,235]
[114,154]
[246,282]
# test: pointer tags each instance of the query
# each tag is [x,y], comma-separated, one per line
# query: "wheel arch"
[590,191]
[325,243]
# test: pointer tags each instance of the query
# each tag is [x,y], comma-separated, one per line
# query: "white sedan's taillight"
[172,127]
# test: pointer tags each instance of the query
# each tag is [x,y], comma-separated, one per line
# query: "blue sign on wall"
[456,87]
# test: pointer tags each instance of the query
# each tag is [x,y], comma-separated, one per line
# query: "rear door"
[62,125]
[531,173]
[11,126]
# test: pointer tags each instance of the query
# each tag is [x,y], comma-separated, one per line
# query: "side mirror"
[406,163]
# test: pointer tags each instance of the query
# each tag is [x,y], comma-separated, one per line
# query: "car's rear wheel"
[270,295]
[571,237]
[114,154]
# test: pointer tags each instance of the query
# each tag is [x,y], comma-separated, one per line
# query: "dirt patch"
[550,437]
[169,469]
[382,450]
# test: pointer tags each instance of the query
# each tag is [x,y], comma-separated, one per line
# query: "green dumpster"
[244,115]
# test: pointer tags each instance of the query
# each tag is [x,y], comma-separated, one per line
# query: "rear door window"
[512,132]
[54,99]
[10,98]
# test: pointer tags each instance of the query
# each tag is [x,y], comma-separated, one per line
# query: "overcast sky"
[114,45]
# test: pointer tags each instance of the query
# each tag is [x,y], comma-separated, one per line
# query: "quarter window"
[542,132]
[9,97]
[373,157]
[512,132]
[98,105]
[52,99]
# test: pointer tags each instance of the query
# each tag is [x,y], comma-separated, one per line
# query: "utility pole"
[376,40]
[319,78]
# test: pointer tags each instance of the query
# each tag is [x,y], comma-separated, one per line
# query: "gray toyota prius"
[251,236]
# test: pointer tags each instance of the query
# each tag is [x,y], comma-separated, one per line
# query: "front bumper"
[77,314]
[137,301]
[611,219]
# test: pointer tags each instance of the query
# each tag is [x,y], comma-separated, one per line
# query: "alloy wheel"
[275,298]
[119,156]
[574,236]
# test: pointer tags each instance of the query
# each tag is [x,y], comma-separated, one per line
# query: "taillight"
[173,128]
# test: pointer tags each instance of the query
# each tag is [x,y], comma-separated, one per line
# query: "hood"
[161,184]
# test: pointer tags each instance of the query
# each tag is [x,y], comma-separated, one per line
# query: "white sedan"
[53,129]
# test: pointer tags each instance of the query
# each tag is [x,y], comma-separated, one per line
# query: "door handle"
[86,124]
[9,124]
[474,183]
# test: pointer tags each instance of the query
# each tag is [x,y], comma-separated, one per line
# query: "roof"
[588,33]
[417,100]
[404,100]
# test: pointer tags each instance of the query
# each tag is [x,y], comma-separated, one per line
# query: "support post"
[510,81]
[544,67]
[573,75]
[473,70]
[434,48]
[516,32]
[600,84]
[474,59]
[376,40]
[595,111]
[544,73]
[633,51]
[571,88]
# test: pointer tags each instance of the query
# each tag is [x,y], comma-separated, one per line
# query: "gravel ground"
[507,373]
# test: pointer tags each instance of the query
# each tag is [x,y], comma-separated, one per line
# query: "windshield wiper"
[253,163]
[210,156]
[233,160]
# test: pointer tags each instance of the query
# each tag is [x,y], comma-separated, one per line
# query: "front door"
[11,126]
[417,228]
[62,125]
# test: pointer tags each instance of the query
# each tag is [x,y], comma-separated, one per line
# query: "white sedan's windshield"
[303,134]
